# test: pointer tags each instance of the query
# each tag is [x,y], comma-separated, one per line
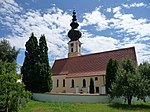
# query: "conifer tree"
[111,71]
[36,69]
[28,68]
[45,70]
[91,86]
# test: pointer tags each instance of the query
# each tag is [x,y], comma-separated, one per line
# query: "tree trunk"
[6,109]
[129,100]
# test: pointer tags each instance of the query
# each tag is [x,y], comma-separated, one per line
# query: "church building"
[73,74]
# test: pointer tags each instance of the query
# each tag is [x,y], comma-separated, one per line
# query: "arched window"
[96,78]
[84,83]
[72,83]
[57,83]
[72,47]
[63,82]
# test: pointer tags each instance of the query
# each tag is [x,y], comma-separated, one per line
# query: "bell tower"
[74,45]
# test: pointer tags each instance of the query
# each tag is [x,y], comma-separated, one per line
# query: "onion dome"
[74,34]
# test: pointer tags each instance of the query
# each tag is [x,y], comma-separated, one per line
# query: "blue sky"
[105,25]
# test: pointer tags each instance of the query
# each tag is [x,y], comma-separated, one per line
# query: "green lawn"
[35,106]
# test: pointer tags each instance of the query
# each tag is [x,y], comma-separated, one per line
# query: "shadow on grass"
[130,107]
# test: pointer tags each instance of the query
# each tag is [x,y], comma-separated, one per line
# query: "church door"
[77,89]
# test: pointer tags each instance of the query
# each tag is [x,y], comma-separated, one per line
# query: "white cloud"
[9,7]
[134,5]
[54,23]
[95,18]
[129,24]
[142,52]
[116,9]
[99,43]
[108,10]
[138,28]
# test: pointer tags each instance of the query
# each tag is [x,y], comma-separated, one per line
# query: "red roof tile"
[92,64]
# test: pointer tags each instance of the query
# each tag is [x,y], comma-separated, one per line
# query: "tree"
[128,82]
[91,86]
[144,70]
[111,71]
[7,53]
[45,70]
[29,69]
[11,92]
[36,70]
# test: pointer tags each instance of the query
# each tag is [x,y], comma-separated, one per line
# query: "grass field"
[35,106]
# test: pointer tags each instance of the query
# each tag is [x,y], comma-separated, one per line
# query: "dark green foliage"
[129,83]
[144,70]
[111,71]
[45,70]
[129,66]
[11,92]
[36,70]
[7,53]
[91,86]
[28,68]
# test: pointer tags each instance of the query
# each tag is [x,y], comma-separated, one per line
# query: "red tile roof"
[92,64]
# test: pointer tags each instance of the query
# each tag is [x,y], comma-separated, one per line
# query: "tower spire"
[74,45]
[74,16]
[74,33]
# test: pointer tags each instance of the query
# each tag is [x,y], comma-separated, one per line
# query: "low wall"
[74,98]
[78,98]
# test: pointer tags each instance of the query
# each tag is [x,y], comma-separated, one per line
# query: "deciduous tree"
[7,52]
[129,83]
[144,70]
[11,92]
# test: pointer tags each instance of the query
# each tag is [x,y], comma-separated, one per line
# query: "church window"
[57,83]
[84,83]
[72,83]
[63,82]
[96,78]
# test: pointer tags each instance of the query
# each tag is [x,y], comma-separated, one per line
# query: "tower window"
[63,82]
[72,49]
[57,83]
[84,83]
[72,83]
[71,45]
